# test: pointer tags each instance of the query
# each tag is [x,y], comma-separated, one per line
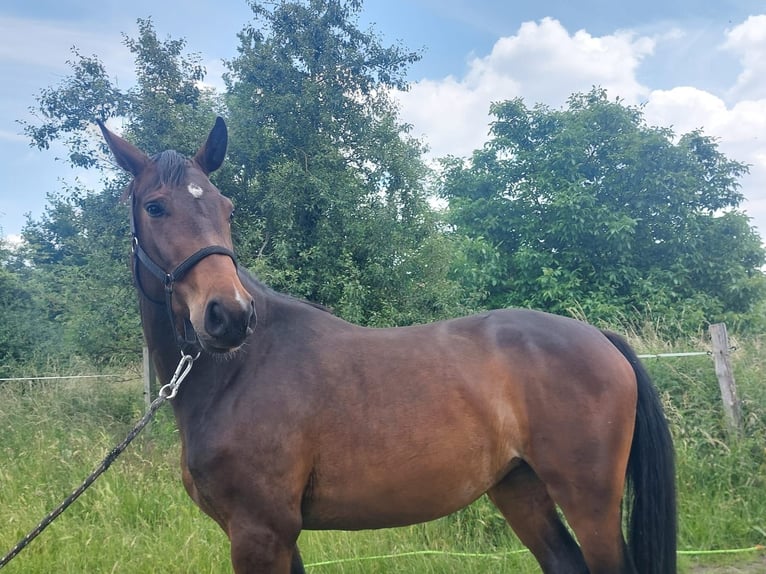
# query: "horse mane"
[251,281]
[171,167]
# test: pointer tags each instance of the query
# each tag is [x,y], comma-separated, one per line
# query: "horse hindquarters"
[575,455]
[651,477]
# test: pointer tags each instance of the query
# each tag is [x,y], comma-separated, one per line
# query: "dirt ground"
[755,565]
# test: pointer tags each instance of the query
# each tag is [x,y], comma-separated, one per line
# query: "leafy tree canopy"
[328,185]
[592,212]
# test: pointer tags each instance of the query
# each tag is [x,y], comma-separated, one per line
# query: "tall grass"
[137,517]
[721,477]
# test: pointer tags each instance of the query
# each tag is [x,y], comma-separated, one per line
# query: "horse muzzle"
[226,324]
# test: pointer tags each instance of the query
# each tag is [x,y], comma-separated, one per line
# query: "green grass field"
[137,517]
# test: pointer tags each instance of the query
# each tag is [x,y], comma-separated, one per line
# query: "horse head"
[182,236]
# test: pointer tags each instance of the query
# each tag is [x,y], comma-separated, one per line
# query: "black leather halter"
[187,341]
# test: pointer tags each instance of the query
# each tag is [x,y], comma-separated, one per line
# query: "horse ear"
[210,155]
[128,156]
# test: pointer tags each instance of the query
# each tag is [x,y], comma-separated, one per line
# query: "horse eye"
[231,215]
[154,209]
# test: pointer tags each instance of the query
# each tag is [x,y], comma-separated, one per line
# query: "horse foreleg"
[297,565]
[260,549]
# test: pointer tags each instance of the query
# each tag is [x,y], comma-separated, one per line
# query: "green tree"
[78,250]
[330,184]
[27,325]
[592,212]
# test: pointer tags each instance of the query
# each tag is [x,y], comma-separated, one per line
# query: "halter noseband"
[188,339]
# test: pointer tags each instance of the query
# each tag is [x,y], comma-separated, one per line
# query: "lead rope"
[166,393]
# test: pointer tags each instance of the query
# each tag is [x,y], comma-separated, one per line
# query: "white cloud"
[449,114]
[214,70]
[684,109]
[748,41]
[550,63]
[687,108]
[543,63]
[12,241]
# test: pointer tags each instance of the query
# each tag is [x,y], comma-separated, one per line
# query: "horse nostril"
[216,319]
[229,326]
[252,319]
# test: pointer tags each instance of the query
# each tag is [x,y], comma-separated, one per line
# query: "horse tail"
[651,500]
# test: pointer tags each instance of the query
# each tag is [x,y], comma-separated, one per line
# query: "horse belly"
[402,490]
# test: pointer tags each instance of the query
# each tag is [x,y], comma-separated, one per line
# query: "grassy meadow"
[138,519]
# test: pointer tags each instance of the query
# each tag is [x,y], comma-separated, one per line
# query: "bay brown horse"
[292,418]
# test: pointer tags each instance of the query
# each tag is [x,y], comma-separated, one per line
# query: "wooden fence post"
[150,377]
[731,405]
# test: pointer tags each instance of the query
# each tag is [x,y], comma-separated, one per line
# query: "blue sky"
[692,63]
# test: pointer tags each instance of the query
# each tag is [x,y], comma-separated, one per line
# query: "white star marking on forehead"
[195,190]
